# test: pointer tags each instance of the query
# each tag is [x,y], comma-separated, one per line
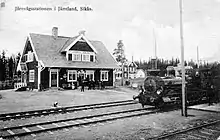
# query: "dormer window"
[81,56]
[86,57]
[70,57]
[91,58]
[76,57]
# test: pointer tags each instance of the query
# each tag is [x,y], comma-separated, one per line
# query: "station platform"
[215,107]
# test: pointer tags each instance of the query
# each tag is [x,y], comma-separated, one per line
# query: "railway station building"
[58,61]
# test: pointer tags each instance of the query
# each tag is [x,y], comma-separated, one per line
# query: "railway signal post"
[184,108]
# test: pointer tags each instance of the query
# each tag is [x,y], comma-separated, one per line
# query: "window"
[71,75]
[125,68]
[30,56]
[25,58]
[91,58]
[23,66]
[104,75]
[81,74]
[70,57]
[85,57]
[31,75]
[76,57]
[80,56]
[125,75]
[90,74]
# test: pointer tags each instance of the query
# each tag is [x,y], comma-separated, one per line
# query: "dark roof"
[48,50]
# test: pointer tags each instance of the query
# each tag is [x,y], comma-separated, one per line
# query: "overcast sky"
[132,21]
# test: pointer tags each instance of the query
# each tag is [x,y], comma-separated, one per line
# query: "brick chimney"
[82,32]
[55,31]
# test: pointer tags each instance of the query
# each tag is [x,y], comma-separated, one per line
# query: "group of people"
[91,85]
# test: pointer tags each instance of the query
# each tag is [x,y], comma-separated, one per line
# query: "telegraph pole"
[198,57]
[155,49]
[184,108]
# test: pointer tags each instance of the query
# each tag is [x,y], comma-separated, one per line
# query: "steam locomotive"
[159,91]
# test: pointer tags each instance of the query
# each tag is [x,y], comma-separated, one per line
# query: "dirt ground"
[136,128]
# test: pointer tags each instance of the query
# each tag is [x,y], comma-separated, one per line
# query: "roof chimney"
[82,32]
[55,31]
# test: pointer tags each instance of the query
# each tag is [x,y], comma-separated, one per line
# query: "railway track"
[208,130]
[44,112]
[34,128]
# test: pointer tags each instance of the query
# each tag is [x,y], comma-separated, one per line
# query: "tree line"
[162,64]
[8,66]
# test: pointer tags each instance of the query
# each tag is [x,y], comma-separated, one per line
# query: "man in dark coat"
[140,96]
[82,85]
[102,85]
[210,93]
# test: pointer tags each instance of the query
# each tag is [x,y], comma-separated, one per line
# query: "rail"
[34,113]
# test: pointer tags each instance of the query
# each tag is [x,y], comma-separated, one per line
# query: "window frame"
[90,72]
[81,55]
[71,72]
[86,56]
[29,56]
[125,75]
[93,56]
[31,76]
[106,78]
[76,54]
[25,57]
[70,54]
